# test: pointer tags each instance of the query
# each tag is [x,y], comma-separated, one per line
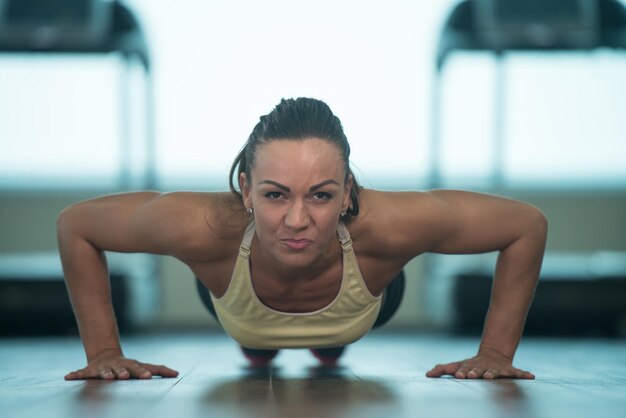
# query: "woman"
[300,255]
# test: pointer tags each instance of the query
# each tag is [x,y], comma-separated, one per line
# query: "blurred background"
[525,99]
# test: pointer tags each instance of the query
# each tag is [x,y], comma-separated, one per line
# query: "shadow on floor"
[322,391]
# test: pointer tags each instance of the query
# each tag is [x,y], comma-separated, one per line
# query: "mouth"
[297,244]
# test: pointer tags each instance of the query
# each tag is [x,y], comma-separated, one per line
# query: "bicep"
[129,222]
[469,222]
[456,222]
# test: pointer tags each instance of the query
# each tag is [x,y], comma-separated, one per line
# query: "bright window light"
[219,65]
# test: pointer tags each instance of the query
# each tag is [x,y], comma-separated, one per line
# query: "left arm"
[518,231]
[456,222]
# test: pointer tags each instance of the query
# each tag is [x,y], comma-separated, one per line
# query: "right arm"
[146,222]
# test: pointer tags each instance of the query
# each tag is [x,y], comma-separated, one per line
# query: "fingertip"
[122,374]
[107,375]
[436,371]
[167,372]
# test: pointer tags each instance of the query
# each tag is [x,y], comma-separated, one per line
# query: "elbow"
[64,221]
[538,225]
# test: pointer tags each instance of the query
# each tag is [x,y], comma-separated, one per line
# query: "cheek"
[267,219]
[327,218]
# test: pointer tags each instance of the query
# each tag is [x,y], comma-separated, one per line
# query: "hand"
[111,364]
[487,364]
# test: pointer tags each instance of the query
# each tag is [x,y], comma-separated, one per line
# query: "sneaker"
[328,356]
[258,357]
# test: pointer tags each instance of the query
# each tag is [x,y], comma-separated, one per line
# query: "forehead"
[290,159]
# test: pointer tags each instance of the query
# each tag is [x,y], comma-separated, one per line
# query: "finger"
[475,373]
[140,372]
[121,373]
[106,374]
[443,369]
[491,374]
[159,370]
[462,372]
[75,375]
[435,372]
[82,374]
[517,374]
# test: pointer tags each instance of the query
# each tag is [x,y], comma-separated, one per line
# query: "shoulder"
[395,224]
[214,204]
[203,225]
[406,224]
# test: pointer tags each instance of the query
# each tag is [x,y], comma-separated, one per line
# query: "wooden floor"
[380,376]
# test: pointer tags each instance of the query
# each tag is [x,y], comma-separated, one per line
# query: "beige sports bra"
[253,324]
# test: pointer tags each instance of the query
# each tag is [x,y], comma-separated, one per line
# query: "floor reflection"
[322,391]
[510,398]
[94,391]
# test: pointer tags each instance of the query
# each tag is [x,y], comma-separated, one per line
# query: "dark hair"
[296,119]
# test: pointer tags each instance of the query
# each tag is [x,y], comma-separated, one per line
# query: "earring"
[250,210]
[343,214]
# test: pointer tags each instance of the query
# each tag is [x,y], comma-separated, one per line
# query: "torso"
[312,295]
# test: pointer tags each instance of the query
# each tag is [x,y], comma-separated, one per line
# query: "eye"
[322,196]
[273,195]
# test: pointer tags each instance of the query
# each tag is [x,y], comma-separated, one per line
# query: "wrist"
[484,349]
[109,351]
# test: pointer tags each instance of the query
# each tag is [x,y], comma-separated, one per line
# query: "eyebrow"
[311,189]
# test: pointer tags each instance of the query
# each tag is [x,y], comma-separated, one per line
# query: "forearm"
[87,281]
[515,280]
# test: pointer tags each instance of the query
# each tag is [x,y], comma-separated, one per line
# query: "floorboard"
[379,376]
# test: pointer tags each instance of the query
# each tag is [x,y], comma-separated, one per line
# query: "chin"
[299,258]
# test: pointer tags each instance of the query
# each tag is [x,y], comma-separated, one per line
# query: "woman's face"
[297,191]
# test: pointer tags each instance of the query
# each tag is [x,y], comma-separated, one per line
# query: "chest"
[297,295]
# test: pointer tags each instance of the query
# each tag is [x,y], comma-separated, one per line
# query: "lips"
[297,244]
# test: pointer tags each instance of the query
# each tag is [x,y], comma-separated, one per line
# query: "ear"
[346,194]
[245,190]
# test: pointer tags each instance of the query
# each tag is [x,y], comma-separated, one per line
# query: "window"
[60,125]
[219,65]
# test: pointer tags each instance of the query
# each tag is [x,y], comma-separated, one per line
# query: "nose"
[297,217]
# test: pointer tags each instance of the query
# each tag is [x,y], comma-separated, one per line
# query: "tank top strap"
[344,237]
[246,242]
